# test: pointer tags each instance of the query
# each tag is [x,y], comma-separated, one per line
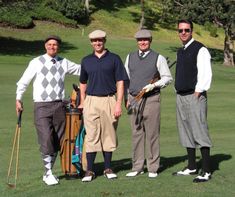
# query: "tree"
[142,20]
[219,12]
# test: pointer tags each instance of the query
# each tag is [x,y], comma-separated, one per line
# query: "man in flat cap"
[48,72]
[148,72]
[102,88]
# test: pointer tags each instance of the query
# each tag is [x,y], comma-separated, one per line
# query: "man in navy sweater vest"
[192,80]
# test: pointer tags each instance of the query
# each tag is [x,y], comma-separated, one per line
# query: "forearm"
[165,74]
[83,87]
[73,68]
[120,91]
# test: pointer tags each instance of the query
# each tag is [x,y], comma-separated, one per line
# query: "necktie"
[53,61]
[141,54]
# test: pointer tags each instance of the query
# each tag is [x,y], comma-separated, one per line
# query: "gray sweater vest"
[142,71]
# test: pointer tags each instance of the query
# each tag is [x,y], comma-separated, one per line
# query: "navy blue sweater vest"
[186,68]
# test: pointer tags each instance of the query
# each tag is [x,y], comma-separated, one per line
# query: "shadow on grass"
[12,46]
[117,165]
[215,161]
[126,164]
[170,162]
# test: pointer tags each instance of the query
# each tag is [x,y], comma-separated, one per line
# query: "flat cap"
[143,33]
[53,37]
[97,34]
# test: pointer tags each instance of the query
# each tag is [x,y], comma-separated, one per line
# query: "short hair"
[186,21]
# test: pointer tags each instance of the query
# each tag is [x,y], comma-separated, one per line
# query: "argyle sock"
[48,161]
[191,158]
[90,160]
[53,158]
[107,159]
[205,152]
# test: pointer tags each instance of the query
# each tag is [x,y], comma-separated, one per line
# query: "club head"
[11,185]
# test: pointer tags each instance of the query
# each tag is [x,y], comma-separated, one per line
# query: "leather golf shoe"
[109,174]
[152,174]
[89,176]
[203,177]
[185,172]
[134,173]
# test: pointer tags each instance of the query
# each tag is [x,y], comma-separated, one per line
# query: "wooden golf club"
[16,144]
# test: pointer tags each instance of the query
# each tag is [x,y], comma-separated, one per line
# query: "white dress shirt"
[204,75]
[162,67]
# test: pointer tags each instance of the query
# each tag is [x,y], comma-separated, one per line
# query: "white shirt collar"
[49,58]
[145,52]
[188,43]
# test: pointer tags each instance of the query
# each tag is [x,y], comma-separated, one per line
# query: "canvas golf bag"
[73,161]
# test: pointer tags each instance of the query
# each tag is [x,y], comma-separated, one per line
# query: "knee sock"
[205,152]
[47,162]
[191,158]
[107,159]
[90,160]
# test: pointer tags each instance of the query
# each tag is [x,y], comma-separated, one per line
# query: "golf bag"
[74,126]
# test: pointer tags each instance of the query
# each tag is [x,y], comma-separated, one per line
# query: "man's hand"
[19,106]
[197,94]
[117,110]
[149,87]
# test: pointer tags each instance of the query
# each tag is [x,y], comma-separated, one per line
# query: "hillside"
[119,23]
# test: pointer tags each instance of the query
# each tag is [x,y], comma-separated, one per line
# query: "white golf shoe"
[134,173]
[50,179]
[152,174]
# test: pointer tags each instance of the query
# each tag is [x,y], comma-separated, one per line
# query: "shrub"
[15,17]
[46,13]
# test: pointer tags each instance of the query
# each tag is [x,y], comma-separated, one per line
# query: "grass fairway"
[19,46]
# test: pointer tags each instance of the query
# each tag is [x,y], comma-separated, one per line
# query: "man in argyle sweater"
[48,72]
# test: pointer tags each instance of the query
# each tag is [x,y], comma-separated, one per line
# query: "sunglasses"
[184,30]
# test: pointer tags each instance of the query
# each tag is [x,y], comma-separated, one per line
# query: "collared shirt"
[145,53]
[44,75]
[102,73]
[162,67]
[204,76]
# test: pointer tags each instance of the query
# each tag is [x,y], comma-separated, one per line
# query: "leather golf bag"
[74,125]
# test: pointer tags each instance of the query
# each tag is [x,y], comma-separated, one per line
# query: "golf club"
[16,144]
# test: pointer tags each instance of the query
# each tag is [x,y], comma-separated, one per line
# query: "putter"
[16,144]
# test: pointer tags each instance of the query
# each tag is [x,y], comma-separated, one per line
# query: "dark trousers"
[49,120]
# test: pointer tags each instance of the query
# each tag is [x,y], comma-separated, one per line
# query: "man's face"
[143,43]
[185,32]
[98,44]
[52,47]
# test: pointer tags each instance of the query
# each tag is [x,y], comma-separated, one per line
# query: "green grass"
[22,45]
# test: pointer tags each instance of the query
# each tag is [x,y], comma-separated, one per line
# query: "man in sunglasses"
[192,80]
[102,88]
[148,71]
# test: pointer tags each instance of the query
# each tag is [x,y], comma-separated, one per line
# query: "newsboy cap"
[143,33]
[53,37]
[97,34]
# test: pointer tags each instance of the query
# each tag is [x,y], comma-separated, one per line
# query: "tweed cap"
[97,34]
[143,33]
[53,37]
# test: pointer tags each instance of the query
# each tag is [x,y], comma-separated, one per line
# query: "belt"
[106,95]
